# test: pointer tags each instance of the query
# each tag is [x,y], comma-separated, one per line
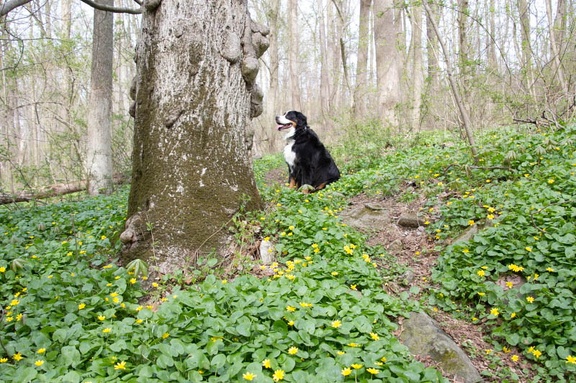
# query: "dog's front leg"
[292,184]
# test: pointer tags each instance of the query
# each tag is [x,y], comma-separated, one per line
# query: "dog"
[309,162]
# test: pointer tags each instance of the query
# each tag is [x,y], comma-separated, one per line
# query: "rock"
[266,252]
[468,234]
[368,217]
[395,246]
[423,337]
[472,231]
[410,220]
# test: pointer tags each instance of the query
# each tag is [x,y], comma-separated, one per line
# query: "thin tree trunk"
[432,48]
[275,104]
[454,87]
[491,36]
[386,31]
[293,59]
[554,52]
[360,89]
[99,149]
[417,68]
[526,46]
[340,11]
[463,43]
[325,83]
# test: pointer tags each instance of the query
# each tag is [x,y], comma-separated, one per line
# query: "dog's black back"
[309,162]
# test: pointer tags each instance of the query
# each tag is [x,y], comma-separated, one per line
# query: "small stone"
[267,252]
[410,220]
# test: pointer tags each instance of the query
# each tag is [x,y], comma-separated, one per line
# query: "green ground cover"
[70,314]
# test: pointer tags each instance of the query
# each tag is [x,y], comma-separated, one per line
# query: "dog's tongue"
[280,127]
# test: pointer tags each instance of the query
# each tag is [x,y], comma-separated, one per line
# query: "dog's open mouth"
[282,123]
[285,126]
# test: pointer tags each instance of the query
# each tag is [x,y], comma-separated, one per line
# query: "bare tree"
[526,45]
[416,70]
[293,59]
[364,39]
[555,44]
[454,87]
[99,145]
[387,29]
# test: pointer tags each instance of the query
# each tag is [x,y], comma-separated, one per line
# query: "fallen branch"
[52,191]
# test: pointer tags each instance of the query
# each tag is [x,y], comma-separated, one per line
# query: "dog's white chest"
[289,154]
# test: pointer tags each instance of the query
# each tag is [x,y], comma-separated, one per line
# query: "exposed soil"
[414,249]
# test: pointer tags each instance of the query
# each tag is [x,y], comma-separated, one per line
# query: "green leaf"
[25,375]
[243,326]
[119,345]
[218,361]
[70,356]
[145,371]
[72,377]
[60,335]
[164,361]
[363,324]
[513,339]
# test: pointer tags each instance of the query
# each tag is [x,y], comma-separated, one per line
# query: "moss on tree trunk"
[194,95]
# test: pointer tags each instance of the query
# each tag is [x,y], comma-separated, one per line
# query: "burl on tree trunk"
[194,96]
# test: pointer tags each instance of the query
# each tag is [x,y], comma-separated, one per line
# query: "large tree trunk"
[99,148]
[195,93]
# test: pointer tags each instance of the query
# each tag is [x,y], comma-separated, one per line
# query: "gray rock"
[410,220]
[423,337]
[366,218]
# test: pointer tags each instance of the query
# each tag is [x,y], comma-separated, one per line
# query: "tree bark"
[195,93]
[555,36]
[293,59]
[99,149]
[417,67]
[386,31]
[526,46]
[433,52]
[325,81]
[360,89]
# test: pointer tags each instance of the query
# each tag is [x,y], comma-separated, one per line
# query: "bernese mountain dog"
[309,163]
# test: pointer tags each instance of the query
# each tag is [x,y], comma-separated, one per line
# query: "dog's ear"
[301,119]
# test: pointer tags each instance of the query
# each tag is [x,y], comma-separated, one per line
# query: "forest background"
[341,62]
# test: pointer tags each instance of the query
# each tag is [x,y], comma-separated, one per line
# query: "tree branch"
[107,8]
[10,5]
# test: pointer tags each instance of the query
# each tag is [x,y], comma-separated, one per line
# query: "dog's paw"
[307,188]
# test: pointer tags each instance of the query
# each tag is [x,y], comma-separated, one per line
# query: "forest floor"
[415,250]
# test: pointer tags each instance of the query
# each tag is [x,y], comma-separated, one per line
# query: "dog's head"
[291,119]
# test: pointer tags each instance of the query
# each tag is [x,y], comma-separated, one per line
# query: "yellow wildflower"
[278,375]
[347,371]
